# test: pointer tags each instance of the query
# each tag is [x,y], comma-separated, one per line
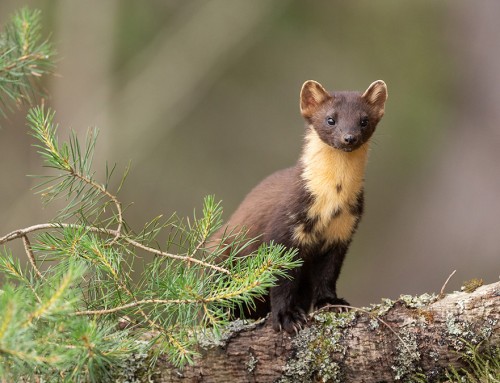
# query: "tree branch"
[21,233]
[31,256]
[353,347]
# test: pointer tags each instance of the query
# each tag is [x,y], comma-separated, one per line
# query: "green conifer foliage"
[87,301]
[24,59]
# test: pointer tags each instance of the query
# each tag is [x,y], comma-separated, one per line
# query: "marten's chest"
[334,180]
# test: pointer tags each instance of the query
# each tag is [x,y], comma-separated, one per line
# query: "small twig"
[112,197]
[68,167]
[441,294]
[137,303]
[45,226]
[175,256]
[134,304]
[152,322]
[31,256]
[197,248]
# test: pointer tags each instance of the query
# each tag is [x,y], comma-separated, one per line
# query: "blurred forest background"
[202,98]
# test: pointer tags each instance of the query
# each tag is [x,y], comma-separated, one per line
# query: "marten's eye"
[330,121]
[364,122]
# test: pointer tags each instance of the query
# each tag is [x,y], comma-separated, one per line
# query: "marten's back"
[260,205]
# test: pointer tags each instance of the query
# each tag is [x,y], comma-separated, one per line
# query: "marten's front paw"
[338,304]
[291,320]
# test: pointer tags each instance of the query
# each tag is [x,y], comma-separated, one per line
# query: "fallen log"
[391,341]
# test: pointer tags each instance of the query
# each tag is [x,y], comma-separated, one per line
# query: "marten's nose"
[350,139]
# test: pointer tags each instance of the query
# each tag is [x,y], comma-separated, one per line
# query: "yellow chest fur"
[334,178]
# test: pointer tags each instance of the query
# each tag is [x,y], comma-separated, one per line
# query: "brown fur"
[316,205]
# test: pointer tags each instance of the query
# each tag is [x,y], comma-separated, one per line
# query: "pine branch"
[58,314]
[170,298]
[20,233]
[24,59]
[46,307]
[31,256]
[44,338]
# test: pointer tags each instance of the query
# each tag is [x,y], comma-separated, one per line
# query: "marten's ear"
[312,95]
[375,95]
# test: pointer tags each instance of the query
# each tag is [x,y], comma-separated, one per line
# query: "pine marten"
[314,206]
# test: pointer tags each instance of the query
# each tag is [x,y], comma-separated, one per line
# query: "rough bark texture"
[425,336]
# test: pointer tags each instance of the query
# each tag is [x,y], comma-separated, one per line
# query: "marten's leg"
[290,301]
[323,272]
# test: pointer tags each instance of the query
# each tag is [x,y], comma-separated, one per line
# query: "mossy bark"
[413,337]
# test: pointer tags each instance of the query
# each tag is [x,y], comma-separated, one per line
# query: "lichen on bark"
[315,347]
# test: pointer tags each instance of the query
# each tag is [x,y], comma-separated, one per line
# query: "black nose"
[350,139]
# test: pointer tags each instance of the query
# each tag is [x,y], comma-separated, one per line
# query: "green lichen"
[251,363]
[137,369]
[487,329]
[211,339]
[461,306]
[406,366]
[418,301]
[408,356]
[381,309]
[373,324]
[471,285]
[460,333]
[315,346]
[406,361]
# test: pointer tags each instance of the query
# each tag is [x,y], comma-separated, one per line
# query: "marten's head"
[343,120]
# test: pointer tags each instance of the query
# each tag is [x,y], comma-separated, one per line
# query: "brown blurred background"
[202,98]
